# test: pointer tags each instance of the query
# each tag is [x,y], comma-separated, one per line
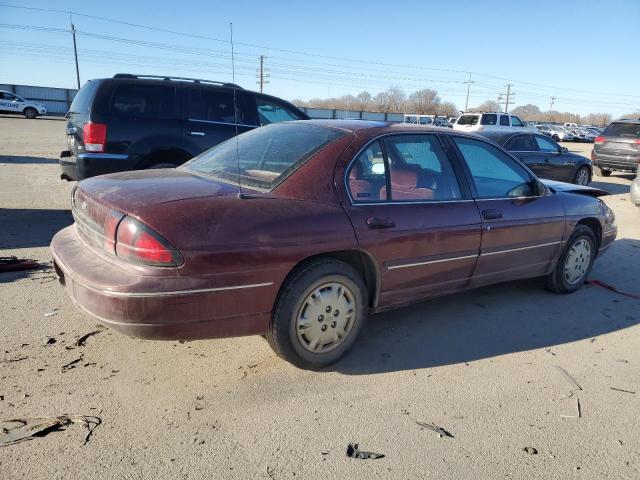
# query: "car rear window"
[82,101]
[264,157]
[468,120]
[489,119]
[622,130]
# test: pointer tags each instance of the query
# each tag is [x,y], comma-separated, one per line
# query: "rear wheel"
[319,314]
[602,172]
[30,113]
[555,137]
[583,176]
[575,263]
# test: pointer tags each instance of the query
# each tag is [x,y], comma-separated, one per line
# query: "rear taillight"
[94,136]
[599,140]
[137,243]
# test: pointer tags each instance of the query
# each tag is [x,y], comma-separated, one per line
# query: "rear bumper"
[623,163]
[87,165]
[162,307]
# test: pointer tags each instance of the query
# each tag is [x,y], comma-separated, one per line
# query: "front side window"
[368,175]
[489,119]
[521,143]
[504,120]
[213,106]
[516,122]
[143,101]
[468,120]
[272,112]
[495,175]
[419,169]
[546,144]
[263,157]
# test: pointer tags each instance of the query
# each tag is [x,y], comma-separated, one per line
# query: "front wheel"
[575,263]
[319,314]
[30,113]
[582,177]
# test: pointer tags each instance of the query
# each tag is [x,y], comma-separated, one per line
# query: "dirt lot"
[485,366]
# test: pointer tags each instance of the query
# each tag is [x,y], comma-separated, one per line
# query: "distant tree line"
[428,102]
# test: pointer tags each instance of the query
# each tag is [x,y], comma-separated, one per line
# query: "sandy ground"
[484,365]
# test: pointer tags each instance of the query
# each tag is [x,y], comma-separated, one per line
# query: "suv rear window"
[468,120]
[143,101]
[263,157]
[82,101]
[622,130]
[489,119]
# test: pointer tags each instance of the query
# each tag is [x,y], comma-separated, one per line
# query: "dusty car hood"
[129,191]
[572,188]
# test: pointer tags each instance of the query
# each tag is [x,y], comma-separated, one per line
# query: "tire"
[574,266]
[30,113]
[602,172]
[582,176]
[555,137]
[307,343]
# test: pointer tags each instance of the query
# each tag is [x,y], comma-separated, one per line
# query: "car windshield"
[263,157]
[623,130]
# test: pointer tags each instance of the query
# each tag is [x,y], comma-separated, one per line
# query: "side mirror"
[564,150]
[539,189]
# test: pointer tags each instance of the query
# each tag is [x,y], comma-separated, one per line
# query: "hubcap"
[326,317]
[583,177]
[577,261]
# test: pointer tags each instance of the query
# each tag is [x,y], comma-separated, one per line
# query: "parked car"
[544,157]
[545,130]
[617,148]
[561,134]
[475,122]
[420,119]
[134,122]
[635,189]
[300,230]
[12,103]
[571,125]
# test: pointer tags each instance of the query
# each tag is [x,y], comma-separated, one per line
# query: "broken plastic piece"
[82,341]
[15,264]
[353,452]
[31,428]
[530,450]
[439,430]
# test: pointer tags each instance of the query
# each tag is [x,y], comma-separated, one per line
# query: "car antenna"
[235,111]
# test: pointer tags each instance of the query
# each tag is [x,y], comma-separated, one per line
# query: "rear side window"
[273,112]
[83,99]
[468,120]
[489,119]
[143,101]
[521,143]
[631,130]
[214,105]
[368,174]
[504,120]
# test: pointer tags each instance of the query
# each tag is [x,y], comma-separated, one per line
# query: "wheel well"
[594,225]
[360,261]
[171,155]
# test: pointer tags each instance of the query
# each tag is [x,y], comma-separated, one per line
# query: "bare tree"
[363,100]
[487,106]
[447,109]
[424,101]
[527,112]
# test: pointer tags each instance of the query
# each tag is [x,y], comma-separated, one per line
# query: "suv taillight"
[94,136]
[137,243]
[599,140]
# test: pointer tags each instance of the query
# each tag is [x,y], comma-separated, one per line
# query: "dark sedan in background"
[544,156]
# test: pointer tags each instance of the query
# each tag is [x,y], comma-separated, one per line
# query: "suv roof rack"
[170,77]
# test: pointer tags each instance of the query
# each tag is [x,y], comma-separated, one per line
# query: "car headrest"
[404,178]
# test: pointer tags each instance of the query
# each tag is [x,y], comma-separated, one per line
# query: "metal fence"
[57,100]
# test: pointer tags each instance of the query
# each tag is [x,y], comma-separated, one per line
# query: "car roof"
[627,120]
[500,136]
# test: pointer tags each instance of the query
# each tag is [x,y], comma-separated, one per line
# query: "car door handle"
[491,214]
[196,134]
[375,223]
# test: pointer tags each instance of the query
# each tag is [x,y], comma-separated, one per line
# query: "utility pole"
[262,74]
[75,50]
[469,82]
[506,107]
[551,102]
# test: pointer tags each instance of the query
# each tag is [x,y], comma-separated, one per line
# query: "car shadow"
[29,227]
[20,160]
[20,116]
[614,188]
[489,322]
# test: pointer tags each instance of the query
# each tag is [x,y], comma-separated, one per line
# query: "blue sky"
[583,53]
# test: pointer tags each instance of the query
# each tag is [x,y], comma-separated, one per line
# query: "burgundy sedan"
[298,231]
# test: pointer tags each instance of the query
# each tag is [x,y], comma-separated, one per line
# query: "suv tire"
[602,172]
[319,314]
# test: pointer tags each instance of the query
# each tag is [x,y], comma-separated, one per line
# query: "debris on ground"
[569,378]
[30,428]
[82,341]
[530,450]
[51,341]
[354,452]
[15,264]
[434,428]
[622,390]
[72,364]
[578,411]
[611,288]
[14,359]
[52,313]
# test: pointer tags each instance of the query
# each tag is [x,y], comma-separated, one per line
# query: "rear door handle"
[375,222]
[491,214]
[196,134]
